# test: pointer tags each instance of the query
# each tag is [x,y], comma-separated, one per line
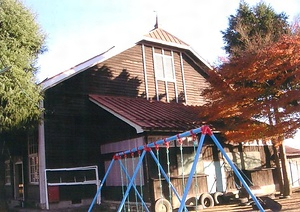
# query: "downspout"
[42,160]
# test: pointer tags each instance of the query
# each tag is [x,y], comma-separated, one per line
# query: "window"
[7,173]
[165,77]
[33,160]
[163,65]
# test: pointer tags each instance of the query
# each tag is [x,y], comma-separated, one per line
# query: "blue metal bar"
[192,172]
[151,145]
[165,175]
[162,141]
[136,191]
[131,181]
[237,173]
[101,185]
[202,130]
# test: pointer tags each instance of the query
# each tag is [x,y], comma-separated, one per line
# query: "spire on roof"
[156,21]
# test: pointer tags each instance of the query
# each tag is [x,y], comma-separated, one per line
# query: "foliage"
[255,93]
[263,87]
[252,28]
[21,41]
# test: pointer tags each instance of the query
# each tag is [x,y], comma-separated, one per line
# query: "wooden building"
[117,100]
[293,159]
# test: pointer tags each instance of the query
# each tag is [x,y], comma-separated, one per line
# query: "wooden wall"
[73,123]
[75,127]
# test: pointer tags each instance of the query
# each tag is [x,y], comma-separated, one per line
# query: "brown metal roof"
[160,34]
[150,115]
[292,152]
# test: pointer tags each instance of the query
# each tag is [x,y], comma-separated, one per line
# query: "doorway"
[19,181]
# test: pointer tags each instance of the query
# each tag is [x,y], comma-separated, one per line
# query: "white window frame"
[162,70]
[33,160]
[163,66]
[7,172]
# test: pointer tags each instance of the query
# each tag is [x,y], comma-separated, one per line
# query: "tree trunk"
[278,170]
[287,191]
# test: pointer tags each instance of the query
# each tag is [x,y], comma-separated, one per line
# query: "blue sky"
[80,29]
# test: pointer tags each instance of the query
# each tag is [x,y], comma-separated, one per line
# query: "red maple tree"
[257,95]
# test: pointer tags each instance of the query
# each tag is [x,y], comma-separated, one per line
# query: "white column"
[42,160]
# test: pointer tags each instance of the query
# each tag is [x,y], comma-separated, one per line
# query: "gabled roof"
[145,115]
[157,35]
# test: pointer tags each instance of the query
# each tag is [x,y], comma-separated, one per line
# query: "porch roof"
[145,115]
[292,152]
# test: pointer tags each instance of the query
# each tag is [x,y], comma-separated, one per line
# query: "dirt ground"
[291,204]
[288,204]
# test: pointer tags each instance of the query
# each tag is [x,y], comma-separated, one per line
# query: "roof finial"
[156,22]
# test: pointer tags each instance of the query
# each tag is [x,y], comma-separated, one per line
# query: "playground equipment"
[188,183]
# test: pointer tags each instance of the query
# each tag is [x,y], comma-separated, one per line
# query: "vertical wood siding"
[179,77]
[146,93]
[171,92]
[75,127]
[195,82]
[150,72]
[184,69]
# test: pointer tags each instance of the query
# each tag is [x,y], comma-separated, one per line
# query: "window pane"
[159,66]
[32,145]
[33,169]
[33,160]
[164,67]
[168,68]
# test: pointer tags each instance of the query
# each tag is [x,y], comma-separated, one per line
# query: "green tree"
[21,41]
[259,81]
[252,28]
